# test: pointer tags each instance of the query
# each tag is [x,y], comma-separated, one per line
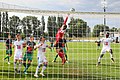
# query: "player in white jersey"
[18,45]
[106,47]
[41,56]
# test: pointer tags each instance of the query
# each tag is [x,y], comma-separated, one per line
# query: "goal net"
[83,33]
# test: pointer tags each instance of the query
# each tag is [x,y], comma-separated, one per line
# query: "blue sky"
[79,5]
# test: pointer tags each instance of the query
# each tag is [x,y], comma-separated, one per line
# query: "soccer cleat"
[25,73]
[42,74]
[35,75]
[8,62]
[67,61]
[53,61]
[98,64]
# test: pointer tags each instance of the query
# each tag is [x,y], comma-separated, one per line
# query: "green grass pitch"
[82,64]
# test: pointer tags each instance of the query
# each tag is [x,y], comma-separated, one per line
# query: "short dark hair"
[17,35]
[31,36]
[42,37]
[65,26]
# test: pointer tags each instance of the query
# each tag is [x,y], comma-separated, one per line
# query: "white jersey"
[106,42]
[42,50]
[18,47]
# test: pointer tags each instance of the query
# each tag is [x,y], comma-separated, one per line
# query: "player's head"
[42,38]
[107,35]
[31,38]
[18,36]
[64,27]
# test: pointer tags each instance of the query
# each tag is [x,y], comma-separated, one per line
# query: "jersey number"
[106,43]
[43,50]
[18,47]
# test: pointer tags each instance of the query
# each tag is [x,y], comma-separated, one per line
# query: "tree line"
[32,25]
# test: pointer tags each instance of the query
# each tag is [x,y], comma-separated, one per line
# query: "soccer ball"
[72,9]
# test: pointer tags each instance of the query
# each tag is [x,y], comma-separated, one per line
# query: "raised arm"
[66,19]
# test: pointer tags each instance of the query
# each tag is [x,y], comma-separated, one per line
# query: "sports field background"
[82,64]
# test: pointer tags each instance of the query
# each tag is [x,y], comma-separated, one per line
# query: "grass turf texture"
[82,64]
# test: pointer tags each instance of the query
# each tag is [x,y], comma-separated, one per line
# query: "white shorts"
[104,49]
[18,56]
[42,60]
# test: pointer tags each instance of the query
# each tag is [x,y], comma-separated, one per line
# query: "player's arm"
[66,45]
[48,46]
[37,46]
[66,19]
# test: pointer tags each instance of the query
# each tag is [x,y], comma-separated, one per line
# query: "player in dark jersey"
[8,48]
[29,53]
[63,45]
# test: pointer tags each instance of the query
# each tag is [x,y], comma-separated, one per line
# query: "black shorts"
[59,44]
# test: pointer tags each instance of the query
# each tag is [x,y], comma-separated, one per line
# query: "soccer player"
[106,47]
[8,48]
[64,46]
[29,54]
[18,51]
[41,56]
[59,41]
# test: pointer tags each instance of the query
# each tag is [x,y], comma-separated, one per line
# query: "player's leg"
[40,62]
[29,62]
[27,66]
[111,55]
[9,54]
[65,52]
[61,55]
[51,47]
[44,66]
[101,55]
[20,63]
[57,51]
[24,62]
[15,65]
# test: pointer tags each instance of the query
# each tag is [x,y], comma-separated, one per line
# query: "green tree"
[51,25]
[60,21]
[30,25]
[78,28]
[5,28]
[43,23]
[113,29]
[99,28]
[14,22]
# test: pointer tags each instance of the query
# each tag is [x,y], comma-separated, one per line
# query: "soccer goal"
[40,44]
